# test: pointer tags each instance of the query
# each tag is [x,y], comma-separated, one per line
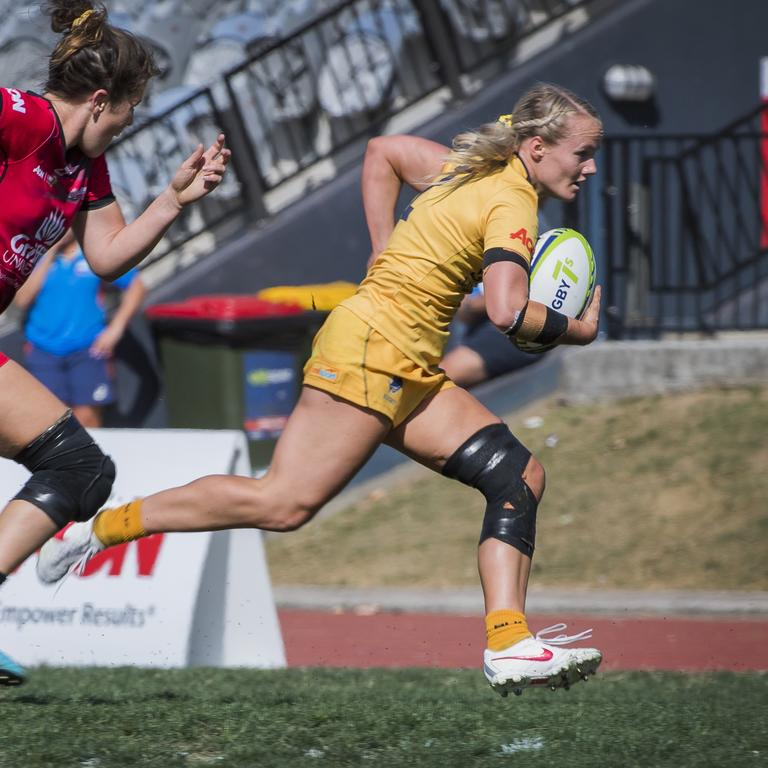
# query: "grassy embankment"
[661,493]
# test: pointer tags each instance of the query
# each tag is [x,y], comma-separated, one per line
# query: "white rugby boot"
[540,661]
[58,557]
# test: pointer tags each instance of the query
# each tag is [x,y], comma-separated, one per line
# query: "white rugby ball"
[562,276]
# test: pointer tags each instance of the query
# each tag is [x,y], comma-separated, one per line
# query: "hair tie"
[81,19]
[507,120]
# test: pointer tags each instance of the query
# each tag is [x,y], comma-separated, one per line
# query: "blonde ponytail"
[541,111]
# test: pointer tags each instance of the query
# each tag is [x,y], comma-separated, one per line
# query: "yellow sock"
[505,628]
[120,524]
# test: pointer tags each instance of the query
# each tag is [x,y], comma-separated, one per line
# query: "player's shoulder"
[510,187]
[26,120]
[24,106]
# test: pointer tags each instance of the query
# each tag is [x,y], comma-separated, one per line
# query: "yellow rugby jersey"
[435,256]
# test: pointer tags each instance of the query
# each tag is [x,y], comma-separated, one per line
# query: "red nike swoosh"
[545,656]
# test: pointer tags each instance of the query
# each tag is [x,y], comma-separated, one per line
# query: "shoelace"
[77,567]
[561,639]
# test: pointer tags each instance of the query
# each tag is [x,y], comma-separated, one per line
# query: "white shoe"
[60,556]
[539,661]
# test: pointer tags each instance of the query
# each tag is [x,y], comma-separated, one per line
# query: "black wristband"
[555,325]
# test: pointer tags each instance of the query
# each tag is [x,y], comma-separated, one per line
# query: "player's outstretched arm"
[112,247]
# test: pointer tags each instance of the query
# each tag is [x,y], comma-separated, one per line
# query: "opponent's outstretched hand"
[201,172]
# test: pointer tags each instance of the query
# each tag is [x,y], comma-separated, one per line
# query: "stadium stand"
[300,85]
[297,84]
[25,41]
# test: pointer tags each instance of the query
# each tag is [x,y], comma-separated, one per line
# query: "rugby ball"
[562,276]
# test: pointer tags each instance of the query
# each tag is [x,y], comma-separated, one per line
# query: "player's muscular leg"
[431,436]
[27,409]
[324,443]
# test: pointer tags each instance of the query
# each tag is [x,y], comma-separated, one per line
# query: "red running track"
[323,639]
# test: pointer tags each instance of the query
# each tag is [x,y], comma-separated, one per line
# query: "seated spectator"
[482,352]
[69,341]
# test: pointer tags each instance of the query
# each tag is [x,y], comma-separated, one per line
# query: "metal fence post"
[438,35]
[252,183]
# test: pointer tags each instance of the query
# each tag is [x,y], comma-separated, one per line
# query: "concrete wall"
[618,369]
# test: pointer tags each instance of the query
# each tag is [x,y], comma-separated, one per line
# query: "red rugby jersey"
[42,185]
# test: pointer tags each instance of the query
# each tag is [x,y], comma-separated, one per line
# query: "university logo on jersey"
[29,250]
[51,229]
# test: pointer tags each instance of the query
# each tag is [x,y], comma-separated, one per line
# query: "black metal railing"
[142,163]
[308,96]
[680,227]
[317,94]
[483,30]
[338,78]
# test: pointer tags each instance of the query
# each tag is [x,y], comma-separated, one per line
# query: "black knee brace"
[71,477]
[493,461]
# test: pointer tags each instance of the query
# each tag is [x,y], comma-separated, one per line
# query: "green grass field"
[659,492]
[123,718]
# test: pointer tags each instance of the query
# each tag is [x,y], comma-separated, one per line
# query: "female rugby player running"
[373,375]
[52,176]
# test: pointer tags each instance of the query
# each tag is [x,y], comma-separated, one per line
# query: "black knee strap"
[71,477]
[493,461]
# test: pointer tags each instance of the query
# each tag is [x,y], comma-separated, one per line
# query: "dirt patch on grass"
[662,492]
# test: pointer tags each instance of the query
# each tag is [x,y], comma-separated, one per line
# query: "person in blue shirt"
[69,339]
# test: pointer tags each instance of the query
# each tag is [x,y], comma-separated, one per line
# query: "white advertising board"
[168,600]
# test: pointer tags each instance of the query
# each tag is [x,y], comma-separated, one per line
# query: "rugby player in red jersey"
[53,176]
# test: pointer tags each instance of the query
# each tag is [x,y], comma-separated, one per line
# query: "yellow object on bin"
[320,296]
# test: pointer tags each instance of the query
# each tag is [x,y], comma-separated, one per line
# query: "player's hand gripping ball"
[562,276]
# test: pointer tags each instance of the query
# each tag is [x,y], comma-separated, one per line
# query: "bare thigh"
[433,432]
[327,439]
[27,407]
[442,424]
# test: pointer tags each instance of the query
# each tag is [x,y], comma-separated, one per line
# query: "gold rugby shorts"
[356,363]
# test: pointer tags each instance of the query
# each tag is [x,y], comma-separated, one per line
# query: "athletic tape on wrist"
[538,323]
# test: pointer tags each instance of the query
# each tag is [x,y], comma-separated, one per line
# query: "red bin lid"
[233,307]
